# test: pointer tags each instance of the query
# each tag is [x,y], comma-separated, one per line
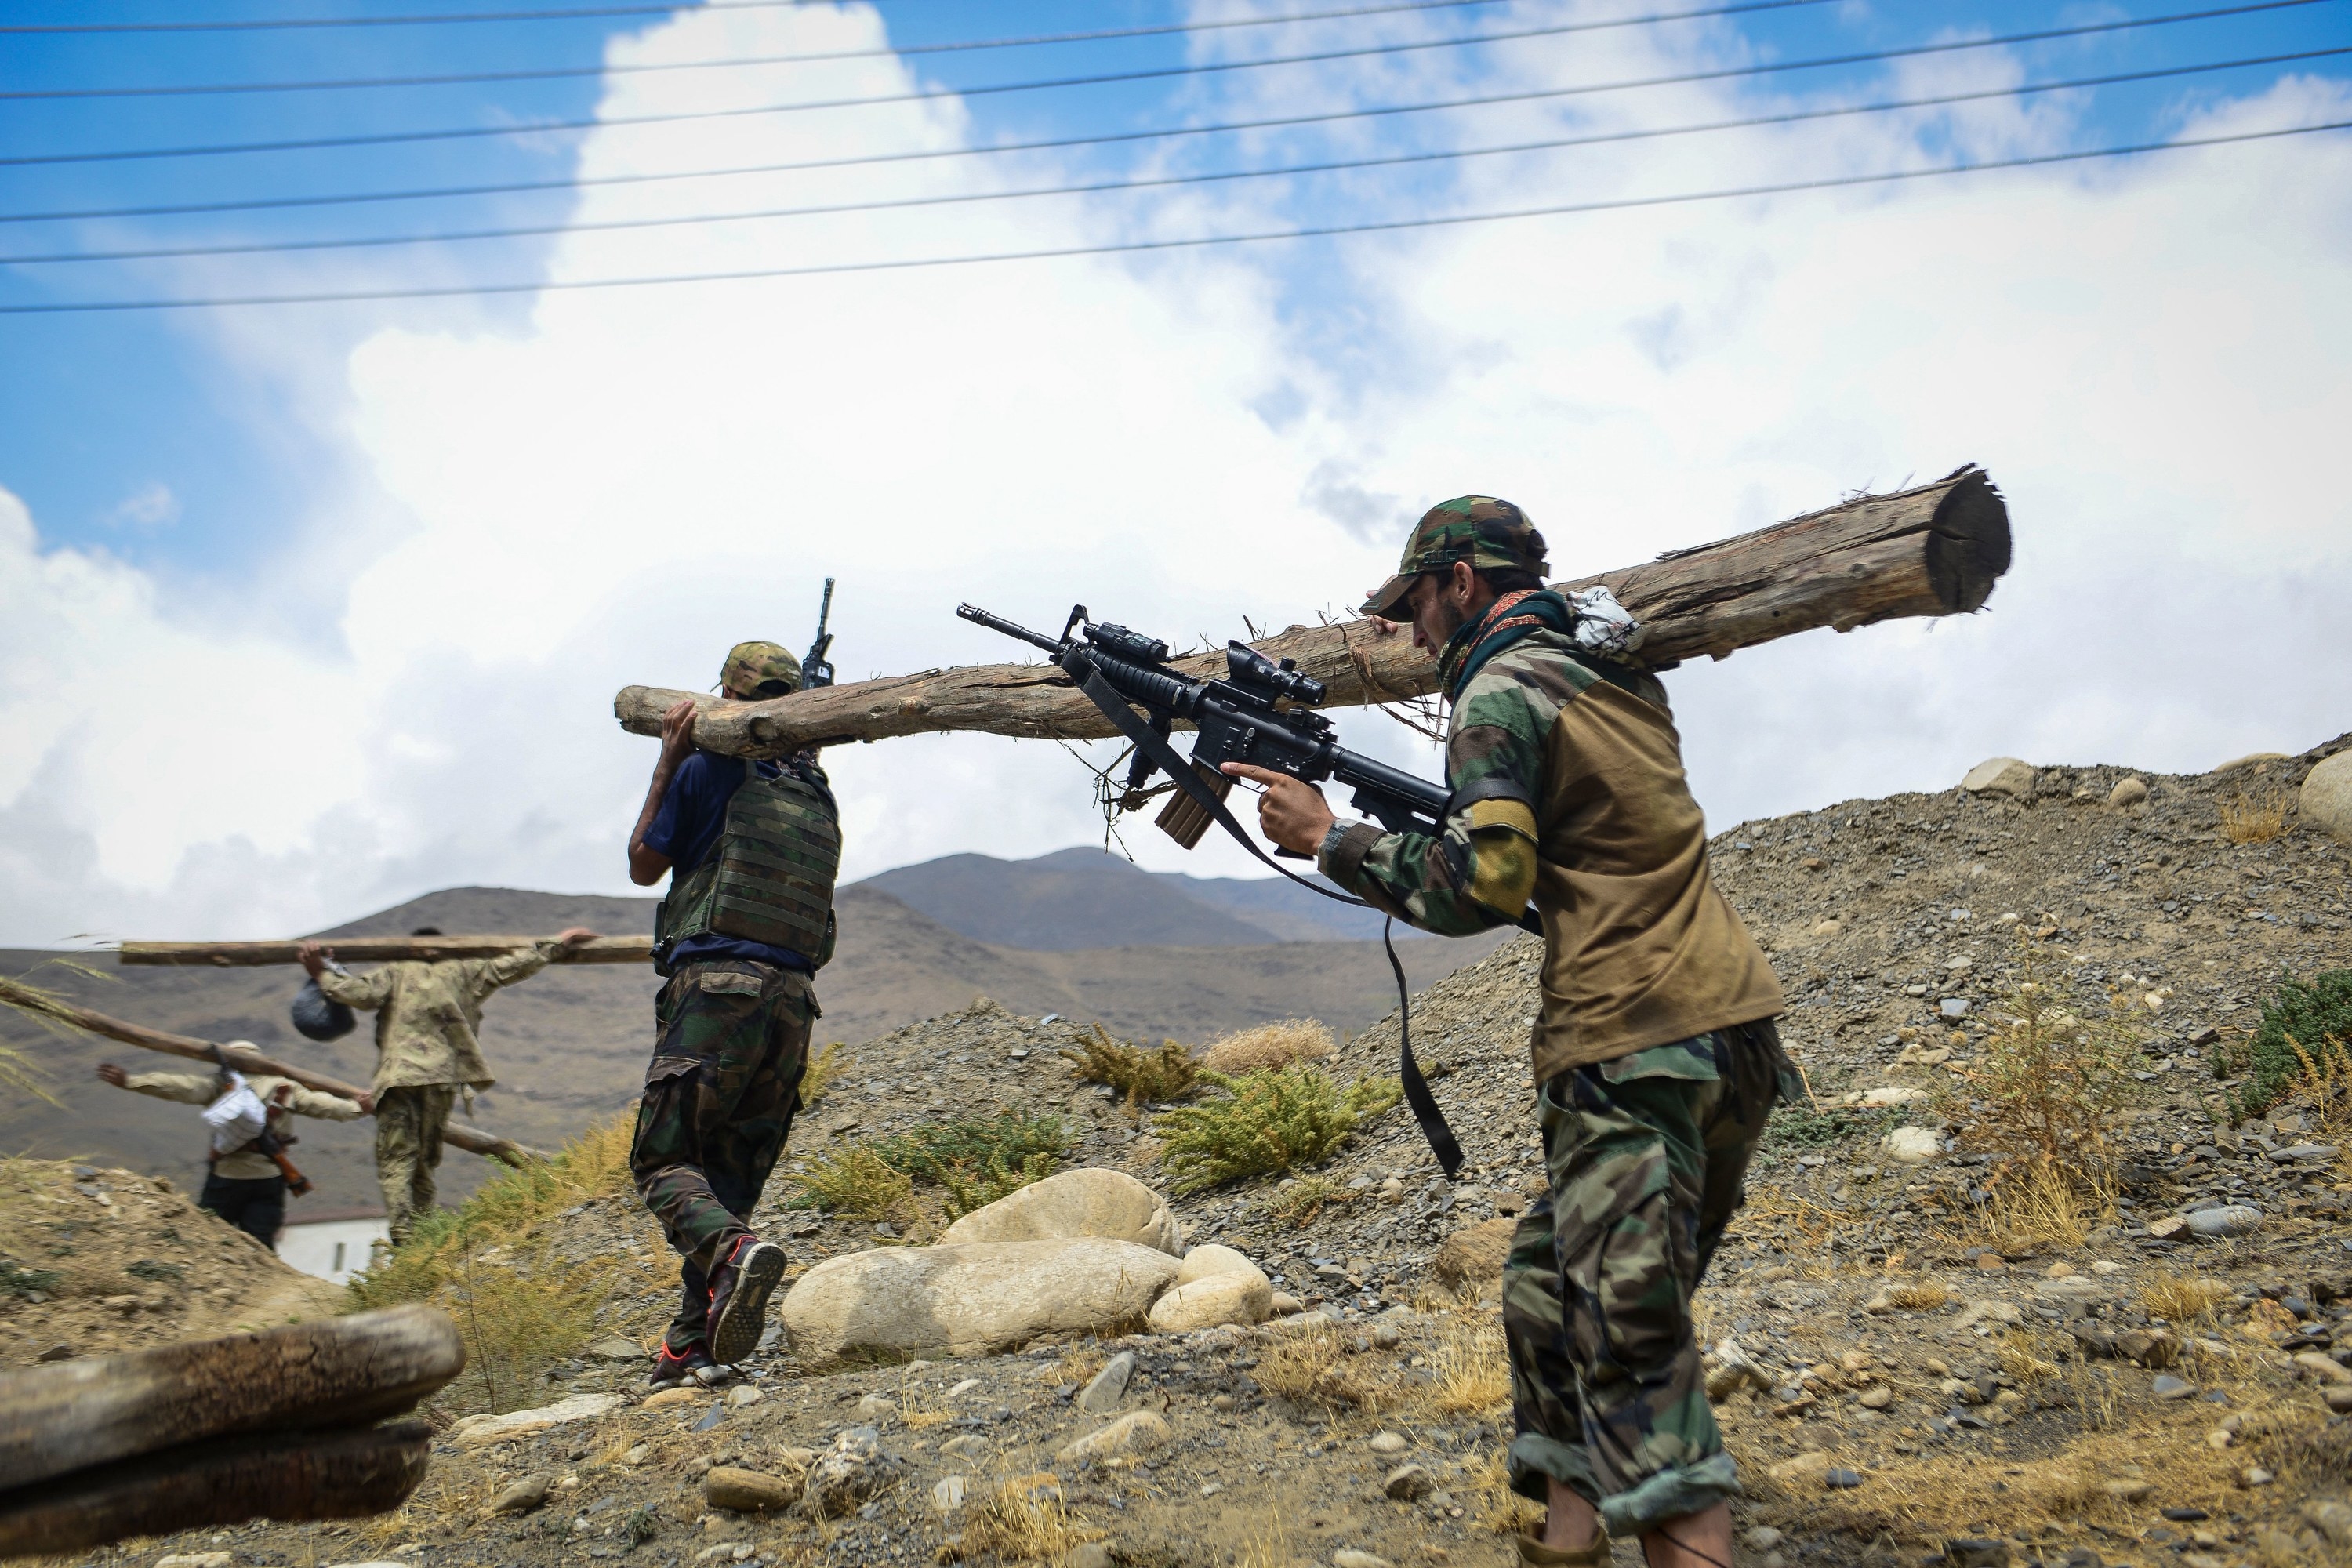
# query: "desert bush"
[970,1147]
[1919,1295]
[2048,1081]
[1302,1200]
[1471,1375]
[2300,1021]
[1286,1044]
[1265,1124]
[1310,1366]
[19,1071]
[823,1071]
[2254,818]
[1142,1077]
[856,1181]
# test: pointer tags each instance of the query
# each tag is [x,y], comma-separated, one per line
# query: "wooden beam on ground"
[41,1003]
[1935,549]
[380,950]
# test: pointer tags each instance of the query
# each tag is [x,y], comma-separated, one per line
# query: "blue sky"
[103,416]
[384,563]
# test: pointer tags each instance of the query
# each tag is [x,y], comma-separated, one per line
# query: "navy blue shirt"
[686,829]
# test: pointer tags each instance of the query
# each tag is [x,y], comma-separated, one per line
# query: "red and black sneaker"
[671,1368]
[740,1288]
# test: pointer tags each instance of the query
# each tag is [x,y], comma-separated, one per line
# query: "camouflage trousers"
[732,1040]
[409,1123]
[1646,1156]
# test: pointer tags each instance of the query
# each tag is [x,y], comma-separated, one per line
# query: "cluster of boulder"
[1087,1251]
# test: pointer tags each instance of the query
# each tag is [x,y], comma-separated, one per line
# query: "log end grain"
[1967,542]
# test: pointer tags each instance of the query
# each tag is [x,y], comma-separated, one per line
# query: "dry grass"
[1023,1521]
[2181,1298]
[2254,818]
[1471,1373]
[2022,1357]
[1311,1366]
[18,1071]
[1919,1295]
[1266,1543]
[518,1303]
[2036,1203]
[1268,1046]
[1498,1509]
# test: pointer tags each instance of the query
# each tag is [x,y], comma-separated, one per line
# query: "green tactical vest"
[770,877]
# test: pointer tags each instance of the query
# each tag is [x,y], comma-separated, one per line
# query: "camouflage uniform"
[426,1050]
[1653,1052]
[732,1040]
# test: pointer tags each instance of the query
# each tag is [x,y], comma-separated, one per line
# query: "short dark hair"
[1508,579]
[426,931]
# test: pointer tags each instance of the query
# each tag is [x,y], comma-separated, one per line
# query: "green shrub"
[148,1269]
[1265,1123]
[2309,1013]
[1140,1076]
[1298,1202]
[856,1181]
[970,1147]
[18,1280]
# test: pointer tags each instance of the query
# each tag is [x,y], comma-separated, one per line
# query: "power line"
[513,187]
[1215,67]
[1161,182]
[554,73]
[259,25]
[1141,245]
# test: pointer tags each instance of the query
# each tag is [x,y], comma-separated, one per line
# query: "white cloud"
[151,506]
[2145,356]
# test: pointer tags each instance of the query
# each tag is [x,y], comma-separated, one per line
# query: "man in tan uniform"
[426,1050]
[243,1185]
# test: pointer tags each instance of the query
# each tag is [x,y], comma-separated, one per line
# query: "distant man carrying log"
[752,850]
[247,1174]
[1654,1053]
[429,1048]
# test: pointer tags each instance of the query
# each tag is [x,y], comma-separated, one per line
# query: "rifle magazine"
[1183,819]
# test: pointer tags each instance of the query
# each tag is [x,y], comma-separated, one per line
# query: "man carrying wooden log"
[247,1175]
[752,849]
[429,1048]
[1655,1053]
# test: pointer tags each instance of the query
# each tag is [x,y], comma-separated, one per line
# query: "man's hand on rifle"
[114,1075]
[313,959]
[1290,813]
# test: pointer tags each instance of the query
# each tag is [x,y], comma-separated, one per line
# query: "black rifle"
[1258,715]
[816,670]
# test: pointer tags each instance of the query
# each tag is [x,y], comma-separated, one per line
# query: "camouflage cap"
[753,668]
[1479,530]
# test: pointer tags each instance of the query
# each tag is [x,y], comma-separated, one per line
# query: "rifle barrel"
[978,616]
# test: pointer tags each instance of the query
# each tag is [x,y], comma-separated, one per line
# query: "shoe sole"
[745,1318]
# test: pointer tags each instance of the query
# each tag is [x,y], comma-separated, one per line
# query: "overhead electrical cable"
[1161,182]
[378,139]
[1125,248]
[962,46]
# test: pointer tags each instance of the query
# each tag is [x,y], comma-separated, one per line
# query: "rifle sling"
[1440,1137]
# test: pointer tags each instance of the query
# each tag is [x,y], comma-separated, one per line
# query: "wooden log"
[380,950]
[41,1003]
[296,1476]
[1935,549]
[343,1371]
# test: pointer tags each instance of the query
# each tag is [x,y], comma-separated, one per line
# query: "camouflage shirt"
[248,1163]
[427,1014]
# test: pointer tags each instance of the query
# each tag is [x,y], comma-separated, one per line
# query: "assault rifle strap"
[1152,744]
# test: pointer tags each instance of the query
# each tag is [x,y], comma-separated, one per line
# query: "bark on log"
[75,1415]
[1935,550]
[281,1475]
[380,950]
[472,1140]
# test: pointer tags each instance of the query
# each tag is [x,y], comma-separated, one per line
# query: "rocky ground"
[1903,1376]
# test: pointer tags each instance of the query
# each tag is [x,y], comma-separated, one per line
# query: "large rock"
[1093,1202]
[1203,1261]
[1214,1300]
[480,1431]
[1134,1433]
[970,1300]
[2327,796]
[1999,775]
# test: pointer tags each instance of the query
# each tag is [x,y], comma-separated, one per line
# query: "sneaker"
[671,1369]
[740,1289]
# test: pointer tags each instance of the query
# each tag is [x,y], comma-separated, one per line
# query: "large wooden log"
[343,1371]
[1935,549]
[41,1003]
[380,950]
[353,1474]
